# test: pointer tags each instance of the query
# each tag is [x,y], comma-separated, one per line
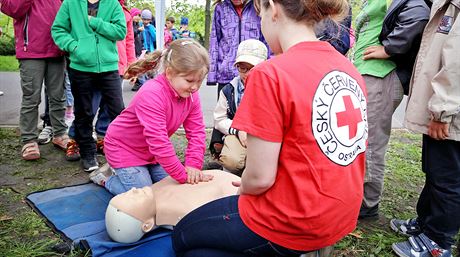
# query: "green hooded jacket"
[91,44]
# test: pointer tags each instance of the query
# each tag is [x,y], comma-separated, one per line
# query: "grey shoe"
[420,246]
[408,227]
[324,252]
[101,175]
[45,135]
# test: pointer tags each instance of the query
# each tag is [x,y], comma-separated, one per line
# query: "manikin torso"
[131,214]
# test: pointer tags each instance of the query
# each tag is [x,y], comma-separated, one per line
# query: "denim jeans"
[216,229]
[68,91]
[137,176]
[83,85]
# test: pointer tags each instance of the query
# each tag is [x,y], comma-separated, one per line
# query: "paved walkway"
[10,102]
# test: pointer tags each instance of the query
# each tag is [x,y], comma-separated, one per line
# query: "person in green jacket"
[88,31]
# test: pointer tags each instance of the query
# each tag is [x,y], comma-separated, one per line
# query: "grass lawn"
[9,63]
[23,233]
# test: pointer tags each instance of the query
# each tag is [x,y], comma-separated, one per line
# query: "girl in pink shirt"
[137,144]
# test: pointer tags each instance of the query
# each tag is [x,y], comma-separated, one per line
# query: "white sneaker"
[45,135]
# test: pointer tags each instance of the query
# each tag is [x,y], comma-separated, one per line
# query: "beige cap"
[251,51]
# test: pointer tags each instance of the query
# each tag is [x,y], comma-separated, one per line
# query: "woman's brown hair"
[310,11]
[184,56]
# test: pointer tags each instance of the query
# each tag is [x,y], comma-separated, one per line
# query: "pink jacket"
[140,134]
[32,27]
[126,54]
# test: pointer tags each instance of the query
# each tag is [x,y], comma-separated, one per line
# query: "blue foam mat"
[77,214]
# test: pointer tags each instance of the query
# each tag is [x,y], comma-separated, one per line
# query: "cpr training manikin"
[132,214]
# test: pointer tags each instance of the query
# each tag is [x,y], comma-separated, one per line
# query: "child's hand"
[243,137]
[141,28]
[194,176]
[375,52]
[438,130]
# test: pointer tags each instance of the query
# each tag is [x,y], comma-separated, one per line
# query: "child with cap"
[228,145]
[149,31]
[184,32]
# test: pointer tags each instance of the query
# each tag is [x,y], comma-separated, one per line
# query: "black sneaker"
[408,227]
[89,163]
[368,212]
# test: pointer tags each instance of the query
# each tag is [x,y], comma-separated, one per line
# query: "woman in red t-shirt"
[305,115]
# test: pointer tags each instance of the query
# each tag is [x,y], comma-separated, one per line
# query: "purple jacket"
[32,27]
[228,30]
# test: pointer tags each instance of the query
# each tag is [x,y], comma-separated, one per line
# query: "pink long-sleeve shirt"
[140,134]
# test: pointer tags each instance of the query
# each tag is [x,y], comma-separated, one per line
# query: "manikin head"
[130,215]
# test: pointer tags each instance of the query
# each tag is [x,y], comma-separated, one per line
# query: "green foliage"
[6,23]
[7,45]
[9,63]
[195,14]
[7,37]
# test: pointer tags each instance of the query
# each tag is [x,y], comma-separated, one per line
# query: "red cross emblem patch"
[339,117]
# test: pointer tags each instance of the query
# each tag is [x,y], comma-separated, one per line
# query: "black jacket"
[138,39]
[401,35]
[337,34]
[216,136]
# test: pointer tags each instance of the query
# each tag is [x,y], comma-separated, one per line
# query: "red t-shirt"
[313,100]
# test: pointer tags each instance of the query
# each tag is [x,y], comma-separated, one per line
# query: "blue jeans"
[137,176]
[216,229]
[68,91]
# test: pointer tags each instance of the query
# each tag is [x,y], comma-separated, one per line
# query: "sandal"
[30,151]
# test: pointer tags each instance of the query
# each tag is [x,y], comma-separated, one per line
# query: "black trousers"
[83,85]
[438,207]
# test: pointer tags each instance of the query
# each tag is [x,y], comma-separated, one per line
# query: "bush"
[7,45]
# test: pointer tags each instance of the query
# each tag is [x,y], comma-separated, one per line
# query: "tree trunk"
[207,23]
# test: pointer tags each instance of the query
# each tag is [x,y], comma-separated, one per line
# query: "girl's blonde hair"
[184,56]
[310,11]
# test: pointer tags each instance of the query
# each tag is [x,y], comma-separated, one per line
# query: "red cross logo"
[351,117]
